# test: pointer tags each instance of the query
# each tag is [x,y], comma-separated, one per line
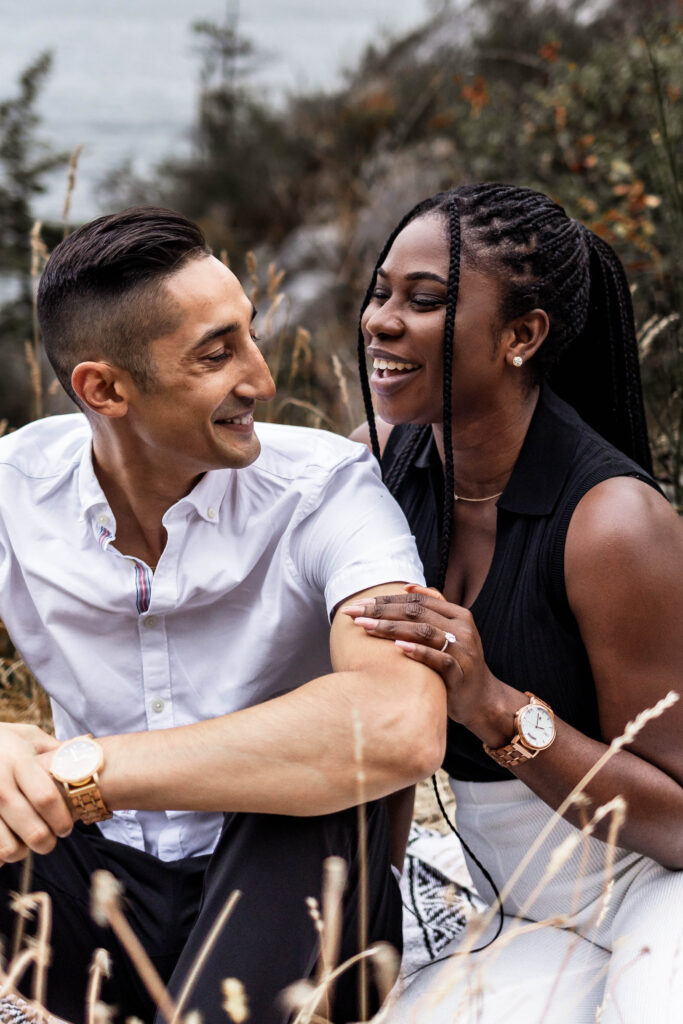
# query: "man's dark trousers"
[269,940]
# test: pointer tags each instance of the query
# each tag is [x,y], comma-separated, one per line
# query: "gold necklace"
[490,497]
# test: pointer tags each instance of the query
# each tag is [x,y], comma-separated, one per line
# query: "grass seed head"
[235,1002]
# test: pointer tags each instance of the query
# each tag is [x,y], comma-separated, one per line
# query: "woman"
[561,565]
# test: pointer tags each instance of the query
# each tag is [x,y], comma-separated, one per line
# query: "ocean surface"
[125,73]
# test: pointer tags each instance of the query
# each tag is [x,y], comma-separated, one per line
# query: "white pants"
[617,960]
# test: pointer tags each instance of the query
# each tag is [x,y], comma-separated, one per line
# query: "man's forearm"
[335,741]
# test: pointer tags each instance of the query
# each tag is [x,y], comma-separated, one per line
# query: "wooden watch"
[534,726]
[75,764]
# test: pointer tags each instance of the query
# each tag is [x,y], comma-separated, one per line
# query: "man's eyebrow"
[219,332]
[417,275]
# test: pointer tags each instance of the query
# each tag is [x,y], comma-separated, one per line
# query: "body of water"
[124,80]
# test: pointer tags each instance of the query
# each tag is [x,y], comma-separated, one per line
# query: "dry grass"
[309,1000]
[22,699]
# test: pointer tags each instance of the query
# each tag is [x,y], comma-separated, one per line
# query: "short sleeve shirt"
[236,612]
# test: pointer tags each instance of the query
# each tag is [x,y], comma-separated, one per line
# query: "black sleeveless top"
[529,635]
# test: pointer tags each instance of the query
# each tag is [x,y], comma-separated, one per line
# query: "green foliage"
[24,163]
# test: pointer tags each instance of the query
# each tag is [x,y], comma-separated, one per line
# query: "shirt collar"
[205,497]
[90,494]
[543,461]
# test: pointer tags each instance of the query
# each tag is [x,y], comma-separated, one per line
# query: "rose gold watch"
[534,726]
[75,764]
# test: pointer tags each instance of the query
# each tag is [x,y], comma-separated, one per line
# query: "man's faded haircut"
[101,296]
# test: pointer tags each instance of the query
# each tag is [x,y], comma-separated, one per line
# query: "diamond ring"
[449,639]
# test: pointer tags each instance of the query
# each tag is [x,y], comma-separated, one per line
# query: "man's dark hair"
[101,294]
[545,260]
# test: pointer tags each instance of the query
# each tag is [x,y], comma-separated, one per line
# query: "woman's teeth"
[387,364]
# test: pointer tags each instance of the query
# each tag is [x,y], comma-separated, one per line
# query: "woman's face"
[403,327]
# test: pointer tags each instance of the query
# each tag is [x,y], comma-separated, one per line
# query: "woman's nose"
[383,320]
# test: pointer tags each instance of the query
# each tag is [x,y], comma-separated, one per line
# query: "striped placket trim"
[143,586]
[104,536]
[143,574]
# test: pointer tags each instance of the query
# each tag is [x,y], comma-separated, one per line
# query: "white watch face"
[536,726]
[77,760]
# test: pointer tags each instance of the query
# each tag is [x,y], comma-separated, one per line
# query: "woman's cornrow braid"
[362,362]
[610,396]
[448,340]
[411,441]
[416,211]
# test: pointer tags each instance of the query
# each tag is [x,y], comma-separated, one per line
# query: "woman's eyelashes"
[421,300]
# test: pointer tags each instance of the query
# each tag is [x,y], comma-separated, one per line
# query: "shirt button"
[150,622]
[157,705]
[103,519]
[211,513]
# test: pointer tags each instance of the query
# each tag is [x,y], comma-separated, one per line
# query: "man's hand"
[33,811]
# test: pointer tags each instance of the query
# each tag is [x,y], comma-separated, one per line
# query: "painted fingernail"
[370,623]
[405,645]
[353,609]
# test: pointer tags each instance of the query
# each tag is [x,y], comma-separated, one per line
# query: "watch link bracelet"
[75,764]
[534,726]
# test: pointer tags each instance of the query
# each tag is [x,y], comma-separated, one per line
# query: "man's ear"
[102,388]
[523,336]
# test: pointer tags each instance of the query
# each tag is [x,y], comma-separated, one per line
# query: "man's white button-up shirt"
[236,612]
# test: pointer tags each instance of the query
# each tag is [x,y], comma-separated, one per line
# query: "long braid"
[411,442]
[599,373]
[362,362]
[448,339]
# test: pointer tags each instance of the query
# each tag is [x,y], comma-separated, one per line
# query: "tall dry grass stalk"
[39,257]
[106,892]
[36,954]
[310,1001]
[203,955]
[100,969]
[24,886]
[363,894]
[70,186]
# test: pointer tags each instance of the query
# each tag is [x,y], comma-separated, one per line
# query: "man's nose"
[257,381]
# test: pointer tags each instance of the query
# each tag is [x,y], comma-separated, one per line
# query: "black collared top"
[529,635]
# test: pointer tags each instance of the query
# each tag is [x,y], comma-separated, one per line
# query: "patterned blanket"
[437,898]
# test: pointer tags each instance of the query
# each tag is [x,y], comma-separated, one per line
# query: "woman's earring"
[517,361]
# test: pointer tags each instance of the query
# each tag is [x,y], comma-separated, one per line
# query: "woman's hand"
[422,623]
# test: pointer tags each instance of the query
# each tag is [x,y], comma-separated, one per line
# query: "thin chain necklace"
[490,497]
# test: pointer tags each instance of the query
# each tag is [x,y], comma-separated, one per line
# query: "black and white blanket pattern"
[437,898]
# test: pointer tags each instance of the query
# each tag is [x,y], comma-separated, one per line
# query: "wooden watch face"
[536,726]
[77,761]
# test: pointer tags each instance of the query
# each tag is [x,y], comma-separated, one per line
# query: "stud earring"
[517,361]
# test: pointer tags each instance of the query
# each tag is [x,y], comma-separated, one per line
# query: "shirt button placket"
[156,671]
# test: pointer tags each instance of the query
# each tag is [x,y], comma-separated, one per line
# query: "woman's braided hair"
[545,260]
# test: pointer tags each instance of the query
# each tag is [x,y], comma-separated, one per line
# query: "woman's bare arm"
[624,576]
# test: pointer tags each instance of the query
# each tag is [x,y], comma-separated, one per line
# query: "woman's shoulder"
[625,517]
[384,431]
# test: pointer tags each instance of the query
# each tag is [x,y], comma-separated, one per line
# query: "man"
[170,584]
